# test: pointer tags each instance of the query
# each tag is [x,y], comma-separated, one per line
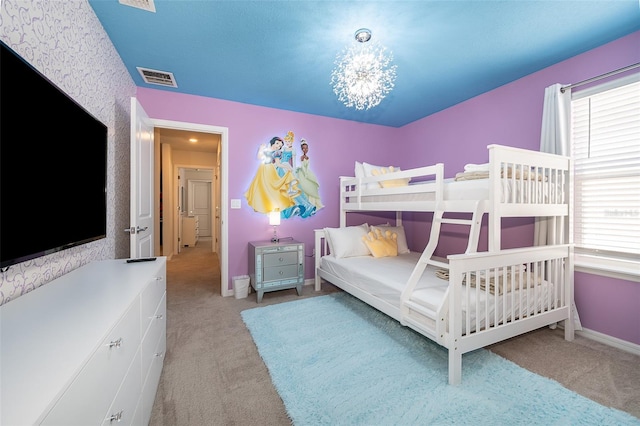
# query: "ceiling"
[180,140]
[280,54]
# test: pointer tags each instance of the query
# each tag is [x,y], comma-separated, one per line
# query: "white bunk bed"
[518,290]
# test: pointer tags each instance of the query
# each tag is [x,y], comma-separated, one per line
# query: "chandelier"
[364,73]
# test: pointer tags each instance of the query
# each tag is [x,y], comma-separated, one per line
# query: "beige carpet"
[213,374]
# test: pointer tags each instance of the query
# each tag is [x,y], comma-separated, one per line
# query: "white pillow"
[347,241]
[402,238]
[369,168]
[360,173]
[368,172]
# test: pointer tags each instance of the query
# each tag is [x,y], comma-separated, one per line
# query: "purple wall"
[509,115]
[609,306]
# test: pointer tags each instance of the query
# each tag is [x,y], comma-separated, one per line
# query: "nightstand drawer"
[282,258]
[281,273]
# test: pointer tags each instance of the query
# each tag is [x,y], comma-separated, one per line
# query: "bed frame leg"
[455,366]
[569,325]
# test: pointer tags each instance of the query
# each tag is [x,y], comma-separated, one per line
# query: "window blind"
[606,152]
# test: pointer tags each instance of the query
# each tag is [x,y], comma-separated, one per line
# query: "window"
[606,150]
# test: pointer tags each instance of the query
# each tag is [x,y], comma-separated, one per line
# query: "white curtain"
[554,139]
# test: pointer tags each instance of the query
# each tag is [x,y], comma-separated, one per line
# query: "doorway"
[196,206]
[175,152]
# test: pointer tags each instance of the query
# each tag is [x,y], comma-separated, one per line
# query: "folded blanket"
[479,174]
[504,280]
[476,167]
[472,175]
[443,274]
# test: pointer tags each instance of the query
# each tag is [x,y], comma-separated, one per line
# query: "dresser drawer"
[150,386]
[281,258]
[150,340]
[150,299]
[123,408]
[91,393]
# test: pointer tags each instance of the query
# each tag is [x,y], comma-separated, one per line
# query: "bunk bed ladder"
[426,259]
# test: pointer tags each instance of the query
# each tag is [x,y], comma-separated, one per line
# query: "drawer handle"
[281,259]
[115,343]
[281,272]
[116,417]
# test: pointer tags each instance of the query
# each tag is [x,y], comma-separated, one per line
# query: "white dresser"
[86,348]
[190,231]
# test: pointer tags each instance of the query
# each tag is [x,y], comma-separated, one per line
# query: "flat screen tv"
[53,166]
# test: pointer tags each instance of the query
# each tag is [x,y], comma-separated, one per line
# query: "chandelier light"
[364,73]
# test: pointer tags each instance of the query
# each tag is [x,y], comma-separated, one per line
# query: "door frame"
[223,158]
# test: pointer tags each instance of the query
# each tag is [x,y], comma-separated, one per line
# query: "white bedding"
[385,278]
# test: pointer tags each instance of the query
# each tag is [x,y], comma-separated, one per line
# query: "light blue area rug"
[336,361]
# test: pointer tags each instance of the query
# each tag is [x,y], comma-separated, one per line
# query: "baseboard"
[310,281]
[610,341]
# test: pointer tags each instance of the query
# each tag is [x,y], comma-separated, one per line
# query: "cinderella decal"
[280,184]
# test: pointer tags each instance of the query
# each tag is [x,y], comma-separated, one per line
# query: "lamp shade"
[274,218]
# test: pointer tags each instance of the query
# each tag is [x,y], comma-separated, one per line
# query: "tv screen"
[53,166]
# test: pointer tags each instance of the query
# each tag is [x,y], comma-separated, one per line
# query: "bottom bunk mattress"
[385,278]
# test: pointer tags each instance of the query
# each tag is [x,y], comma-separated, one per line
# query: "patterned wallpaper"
[66,42]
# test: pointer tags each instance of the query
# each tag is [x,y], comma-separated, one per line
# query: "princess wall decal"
[280,185]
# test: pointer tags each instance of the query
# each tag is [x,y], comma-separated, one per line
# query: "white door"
[200,205]
[142,201]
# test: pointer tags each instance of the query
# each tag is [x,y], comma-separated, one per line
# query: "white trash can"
[241,286]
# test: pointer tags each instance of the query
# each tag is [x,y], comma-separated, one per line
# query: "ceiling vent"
[140,4]
[161,78]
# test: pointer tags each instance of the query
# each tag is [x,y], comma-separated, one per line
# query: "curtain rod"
[600,77]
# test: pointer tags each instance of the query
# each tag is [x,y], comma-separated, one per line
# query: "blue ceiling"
[280,54]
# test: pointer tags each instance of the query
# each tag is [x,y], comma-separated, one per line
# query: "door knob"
[135,230]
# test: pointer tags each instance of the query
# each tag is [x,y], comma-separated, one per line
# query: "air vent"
[140,4]
[161,78]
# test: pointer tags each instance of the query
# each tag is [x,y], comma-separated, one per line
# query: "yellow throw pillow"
[382,245]
[391,183]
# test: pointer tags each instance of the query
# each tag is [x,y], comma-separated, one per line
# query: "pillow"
[381,244]
[402,238]
[347,241]
[367,169]
[391,183]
